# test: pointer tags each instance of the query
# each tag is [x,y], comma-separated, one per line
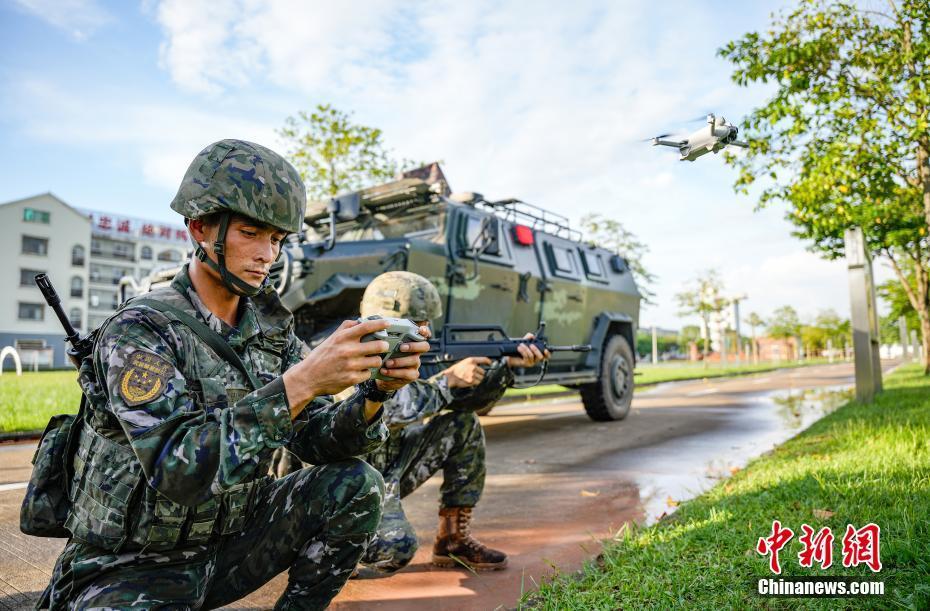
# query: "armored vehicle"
[503,262]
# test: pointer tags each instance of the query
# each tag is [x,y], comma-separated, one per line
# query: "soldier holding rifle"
[451,440]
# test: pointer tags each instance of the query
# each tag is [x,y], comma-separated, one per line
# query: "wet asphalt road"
[557,485]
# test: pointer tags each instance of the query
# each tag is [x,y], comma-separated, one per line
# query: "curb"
[20,436]
[569,393]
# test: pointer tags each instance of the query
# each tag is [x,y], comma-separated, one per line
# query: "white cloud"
[161,137]
[79,18]
[525,99]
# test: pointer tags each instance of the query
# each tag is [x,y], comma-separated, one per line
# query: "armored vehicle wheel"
[609,398]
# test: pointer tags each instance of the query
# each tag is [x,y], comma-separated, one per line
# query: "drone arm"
[675,143]
[739,143]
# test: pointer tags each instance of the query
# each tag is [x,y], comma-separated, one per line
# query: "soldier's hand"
[467,372]
[339,362]
[404,369]
[530,355]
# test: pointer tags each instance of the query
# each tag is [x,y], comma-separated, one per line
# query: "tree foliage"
[837,331]
[335,155]
[784,323]
[844,140]
[895,296]
[704,299]
[613,236]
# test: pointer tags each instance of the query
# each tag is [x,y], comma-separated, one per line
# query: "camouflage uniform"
[452,440]
[171,506]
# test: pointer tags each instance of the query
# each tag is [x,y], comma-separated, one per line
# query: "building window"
[75,317]
[31,311]
[77,256]
[27,277]
[77,286]
[31,215]
[146,253]
[169,255]
[34,246]
[121,250]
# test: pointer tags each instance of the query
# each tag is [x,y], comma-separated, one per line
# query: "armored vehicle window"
[593,264]
[487,236]
[562,261]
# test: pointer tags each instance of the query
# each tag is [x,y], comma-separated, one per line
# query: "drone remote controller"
[400,331]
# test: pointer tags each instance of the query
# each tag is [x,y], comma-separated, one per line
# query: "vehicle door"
[482,283]
[563,298]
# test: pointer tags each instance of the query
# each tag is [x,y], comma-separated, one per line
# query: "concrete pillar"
[902,329]
[915,345]
[739,340]
[655,345]
[864,317]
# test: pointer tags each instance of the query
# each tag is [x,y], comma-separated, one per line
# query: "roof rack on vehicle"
[520,212]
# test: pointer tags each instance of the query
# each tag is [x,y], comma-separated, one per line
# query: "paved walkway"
[557,485]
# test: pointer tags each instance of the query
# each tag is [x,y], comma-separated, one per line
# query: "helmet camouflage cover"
[244,178]
[402,295]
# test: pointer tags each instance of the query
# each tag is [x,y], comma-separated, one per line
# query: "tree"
[814,339]
[335,155]
[611,235]
[705,300]
[844,140]
[664,343]
[898,302]
[689,334]
[784,323]
[836,330]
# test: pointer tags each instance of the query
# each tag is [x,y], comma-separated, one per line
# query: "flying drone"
[717,135]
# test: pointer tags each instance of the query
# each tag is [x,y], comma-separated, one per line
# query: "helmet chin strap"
[235,284]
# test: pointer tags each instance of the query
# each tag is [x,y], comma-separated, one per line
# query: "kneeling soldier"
[191,388]
[451,440]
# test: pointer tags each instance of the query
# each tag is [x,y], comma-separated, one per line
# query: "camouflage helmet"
[244,178]
[402,295]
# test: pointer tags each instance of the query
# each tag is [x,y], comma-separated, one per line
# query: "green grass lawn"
[29,400]
[860,464]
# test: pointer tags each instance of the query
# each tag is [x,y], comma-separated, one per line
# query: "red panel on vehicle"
[523,235]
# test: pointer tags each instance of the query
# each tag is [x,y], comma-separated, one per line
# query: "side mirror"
[344,207]
[490,236]
[618,264]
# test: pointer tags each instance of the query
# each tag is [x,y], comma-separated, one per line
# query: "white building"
[84,253]
[126,246]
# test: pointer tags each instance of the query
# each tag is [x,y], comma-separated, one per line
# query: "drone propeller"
[659,137]
[699,118]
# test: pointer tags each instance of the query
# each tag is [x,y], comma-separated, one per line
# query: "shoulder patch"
[144,378]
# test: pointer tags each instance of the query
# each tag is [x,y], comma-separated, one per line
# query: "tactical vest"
[112,505]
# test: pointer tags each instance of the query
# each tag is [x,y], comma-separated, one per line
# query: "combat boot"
[455,546]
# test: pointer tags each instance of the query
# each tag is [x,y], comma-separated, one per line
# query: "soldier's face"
[251,248]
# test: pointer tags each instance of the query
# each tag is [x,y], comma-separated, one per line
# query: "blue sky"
[104,104]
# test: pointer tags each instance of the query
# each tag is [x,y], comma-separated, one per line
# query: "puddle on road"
[678,470]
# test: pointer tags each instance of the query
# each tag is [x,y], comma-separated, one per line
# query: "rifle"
[80,346]
[449,346]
